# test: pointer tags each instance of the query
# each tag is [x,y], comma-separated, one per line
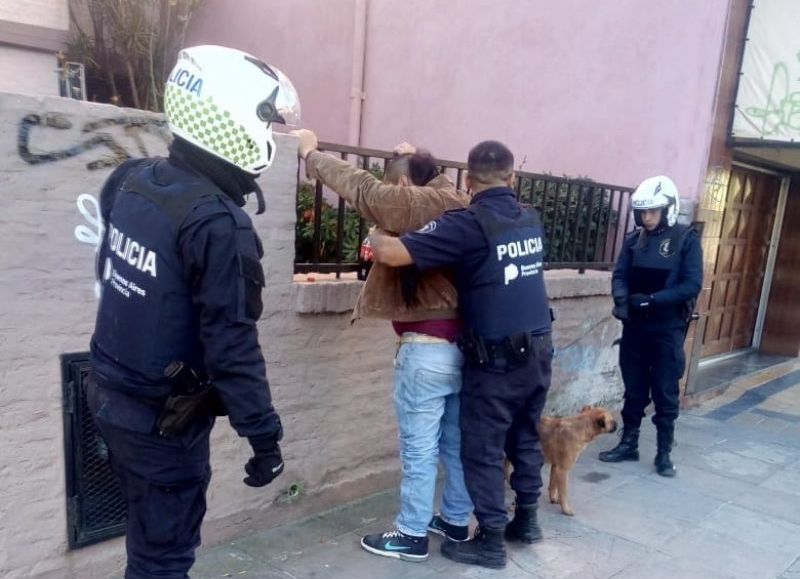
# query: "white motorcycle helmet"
[654,193]
[224,101]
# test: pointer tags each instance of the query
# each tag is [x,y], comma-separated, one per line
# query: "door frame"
[772,253]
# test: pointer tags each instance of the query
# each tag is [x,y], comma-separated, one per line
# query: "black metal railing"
[584,221]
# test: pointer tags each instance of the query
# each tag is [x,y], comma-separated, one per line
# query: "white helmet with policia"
[224,101]
[656,193]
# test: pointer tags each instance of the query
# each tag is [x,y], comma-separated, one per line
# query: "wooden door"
[782,324]
[750,206]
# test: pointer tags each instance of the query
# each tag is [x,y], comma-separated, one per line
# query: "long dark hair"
[421,170]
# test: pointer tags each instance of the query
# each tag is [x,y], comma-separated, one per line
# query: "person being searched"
[423,308]
[496,249]
[656,280]
[175,341]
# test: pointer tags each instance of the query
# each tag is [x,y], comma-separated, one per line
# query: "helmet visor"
[287,103]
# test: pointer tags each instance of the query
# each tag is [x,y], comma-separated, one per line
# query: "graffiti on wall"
[92,232]
[716,188]
[780,113]
[115,139]
[117,147]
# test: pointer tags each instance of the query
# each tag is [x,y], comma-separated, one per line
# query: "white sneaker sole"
[441,533]
[394,554]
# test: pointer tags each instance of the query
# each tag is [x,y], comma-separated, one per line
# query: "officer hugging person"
[181,292]
[495,248]
[657,278]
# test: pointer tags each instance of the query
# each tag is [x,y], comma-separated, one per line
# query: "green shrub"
[570,211]
[304,228]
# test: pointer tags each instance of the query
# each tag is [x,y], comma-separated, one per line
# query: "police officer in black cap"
[175,340]
[495,247]
[658,275]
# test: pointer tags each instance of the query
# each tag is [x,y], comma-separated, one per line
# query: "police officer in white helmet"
[656,281]
[183,347]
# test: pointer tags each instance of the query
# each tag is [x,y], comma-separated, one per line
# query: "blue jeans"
[427,383]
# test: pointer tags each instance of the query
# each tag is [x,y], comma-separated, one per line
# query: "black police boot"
[665,436]
[486,549]
[524,527]
[627,449]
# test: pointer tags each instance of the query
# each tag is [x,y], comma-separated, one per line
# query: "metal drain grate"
[95,507]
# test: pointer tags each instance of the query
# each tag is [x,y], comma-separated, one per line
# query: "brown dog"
[563,439]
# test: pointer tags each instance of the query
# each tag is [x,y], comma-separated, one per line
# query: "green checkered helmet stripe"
[209,127]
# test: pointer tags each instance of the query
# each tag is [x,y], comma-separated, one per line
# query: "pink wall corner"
[617,93]
[309,40]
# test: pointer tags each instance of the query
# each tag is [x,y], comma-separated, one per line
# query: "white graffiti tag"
[93,233]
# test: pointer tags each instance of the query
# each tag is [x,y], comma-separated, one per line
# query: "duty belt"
[498,355]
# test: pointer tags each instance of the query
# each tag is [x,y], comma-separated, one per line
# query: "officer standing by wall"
[495,246]
[181,292]
[656,281]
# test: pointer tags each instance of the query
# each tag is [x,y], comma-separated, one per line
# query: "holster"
[473,347]
[518,346]
[193,398]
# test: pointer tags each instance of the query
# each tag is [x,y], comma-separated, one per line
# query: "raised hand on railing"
[307,142]
[404,148]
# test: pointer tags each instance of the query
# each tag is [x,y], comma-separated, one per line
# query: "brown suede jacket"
[396,209]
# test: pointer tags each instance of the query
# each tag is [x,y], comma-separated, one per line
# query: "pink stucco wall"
[616,91]
[310,40]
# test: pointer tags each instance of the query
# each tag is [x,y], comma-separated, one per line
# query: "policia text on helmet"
[223,102]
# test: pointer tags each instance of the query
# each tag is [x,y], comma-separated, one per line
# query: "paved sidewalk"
[733,511]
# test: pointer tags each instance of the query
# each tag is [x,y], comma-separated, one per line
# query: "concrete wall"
[616,92]
[331,381]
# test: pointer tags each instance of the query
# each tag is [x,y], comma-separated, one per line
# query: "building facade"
[32,33]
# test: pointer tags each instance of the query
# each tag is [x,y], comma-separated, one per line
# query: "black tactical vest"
[655,260]
[506,294]
[146,318]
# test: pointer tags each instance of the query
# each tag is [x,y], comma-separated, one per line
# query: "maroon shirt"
[446,329]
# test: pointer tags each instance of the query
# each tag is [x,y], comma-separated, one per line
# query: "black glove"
[620,310]
[641,302]
[266,463]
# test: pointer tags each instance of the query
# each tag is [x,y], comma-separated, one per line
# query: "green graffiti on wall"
[781,111]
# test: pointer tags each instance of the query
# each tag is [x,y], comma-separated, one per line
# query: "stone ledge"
[324,294]
[568,283]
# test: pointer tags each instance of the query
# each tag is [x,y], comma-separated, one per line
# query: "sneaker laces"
[394,534]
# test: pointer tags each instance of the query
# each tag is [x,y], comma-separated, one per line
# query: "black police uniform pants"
[499,416]
[652,363]
[164,482]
